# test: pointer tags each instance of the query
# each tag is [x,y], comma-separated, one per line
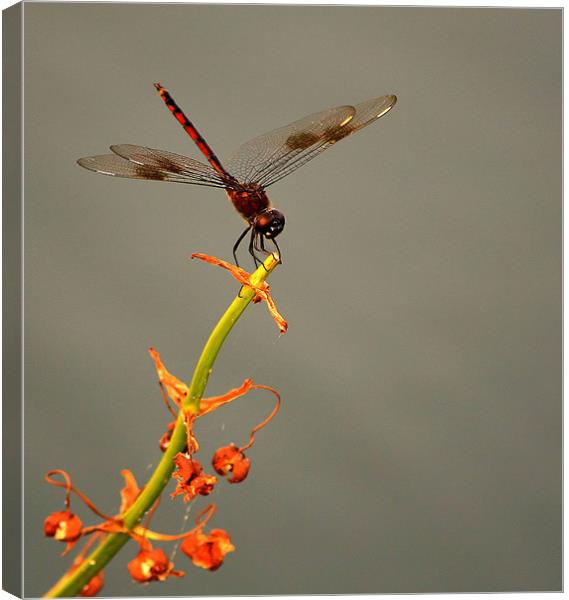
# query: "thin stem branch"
[72,583]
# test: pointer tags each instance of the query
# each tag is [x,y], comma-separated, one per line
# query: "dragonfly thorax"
[249,200]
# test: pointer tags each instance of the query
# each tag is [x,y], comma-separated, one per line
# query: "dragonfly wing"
[365,113]
[256,160]
[272,156]
[139,162]
[369,111]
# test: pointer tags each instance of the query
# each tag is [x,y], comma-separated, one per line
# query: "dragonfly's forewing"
[272,156]
[369,111]
[256,160]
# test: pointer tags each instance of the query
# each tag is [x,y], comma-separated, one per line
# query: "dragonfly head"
[269,223]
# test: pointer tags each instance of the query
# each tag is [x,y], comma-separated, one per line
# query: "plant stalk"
[72,583]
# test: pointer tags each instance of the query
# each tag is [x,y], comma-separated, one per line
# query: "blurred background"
[418,448]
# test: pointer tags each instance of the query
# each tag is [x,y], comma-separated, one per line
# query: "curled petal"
[240,274]
[175,388]
[186,467]
[277,317]
[130,491]
[142,535]
[231,460]
[208,550]
[204,516]
[71,488]
[244,278]
[152,565]
[191,478]
[269,418]
[63,526]
[192,444]
[208,405]
[202,485]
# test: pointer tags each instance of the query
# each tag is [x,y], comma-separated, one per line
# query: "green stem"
[72,583]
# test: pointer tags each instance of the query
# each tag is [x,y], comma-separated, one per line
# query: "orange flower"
[94,586]
[152,565]
[63,526]
[208,551]
[207,405]
[262,292]
[191,478]
[231,460]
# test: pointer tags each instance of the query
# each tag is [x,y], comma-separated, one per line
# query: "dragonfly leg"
[278,250]
[265,250]
[239,240]
[260,244]
[257,246]
[262,248]
[252,247]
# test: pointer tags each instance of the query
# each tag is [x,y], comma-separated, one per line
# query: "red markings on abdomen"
[190,129]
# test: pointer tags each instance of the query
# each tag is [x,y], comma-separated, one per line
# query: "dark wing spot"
[149,173]
[171,166]
[301,140]
[335,134]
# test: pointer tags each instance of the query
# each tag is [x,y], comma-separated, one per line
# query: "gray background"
[418,448]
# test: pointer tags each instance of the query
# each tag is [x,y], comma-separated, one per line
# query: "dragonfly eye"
[270,223]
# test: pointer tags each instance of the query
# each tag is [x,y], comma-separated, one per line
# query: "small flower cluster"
[206,549]
[150,564]
[228,460]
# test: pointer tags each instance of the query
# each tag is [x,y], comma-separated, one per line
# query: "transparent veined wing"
[270,157]
[139,162]
[258,158]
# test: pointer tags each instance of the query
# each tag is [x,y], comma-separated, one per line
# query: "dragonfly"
[254,167]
